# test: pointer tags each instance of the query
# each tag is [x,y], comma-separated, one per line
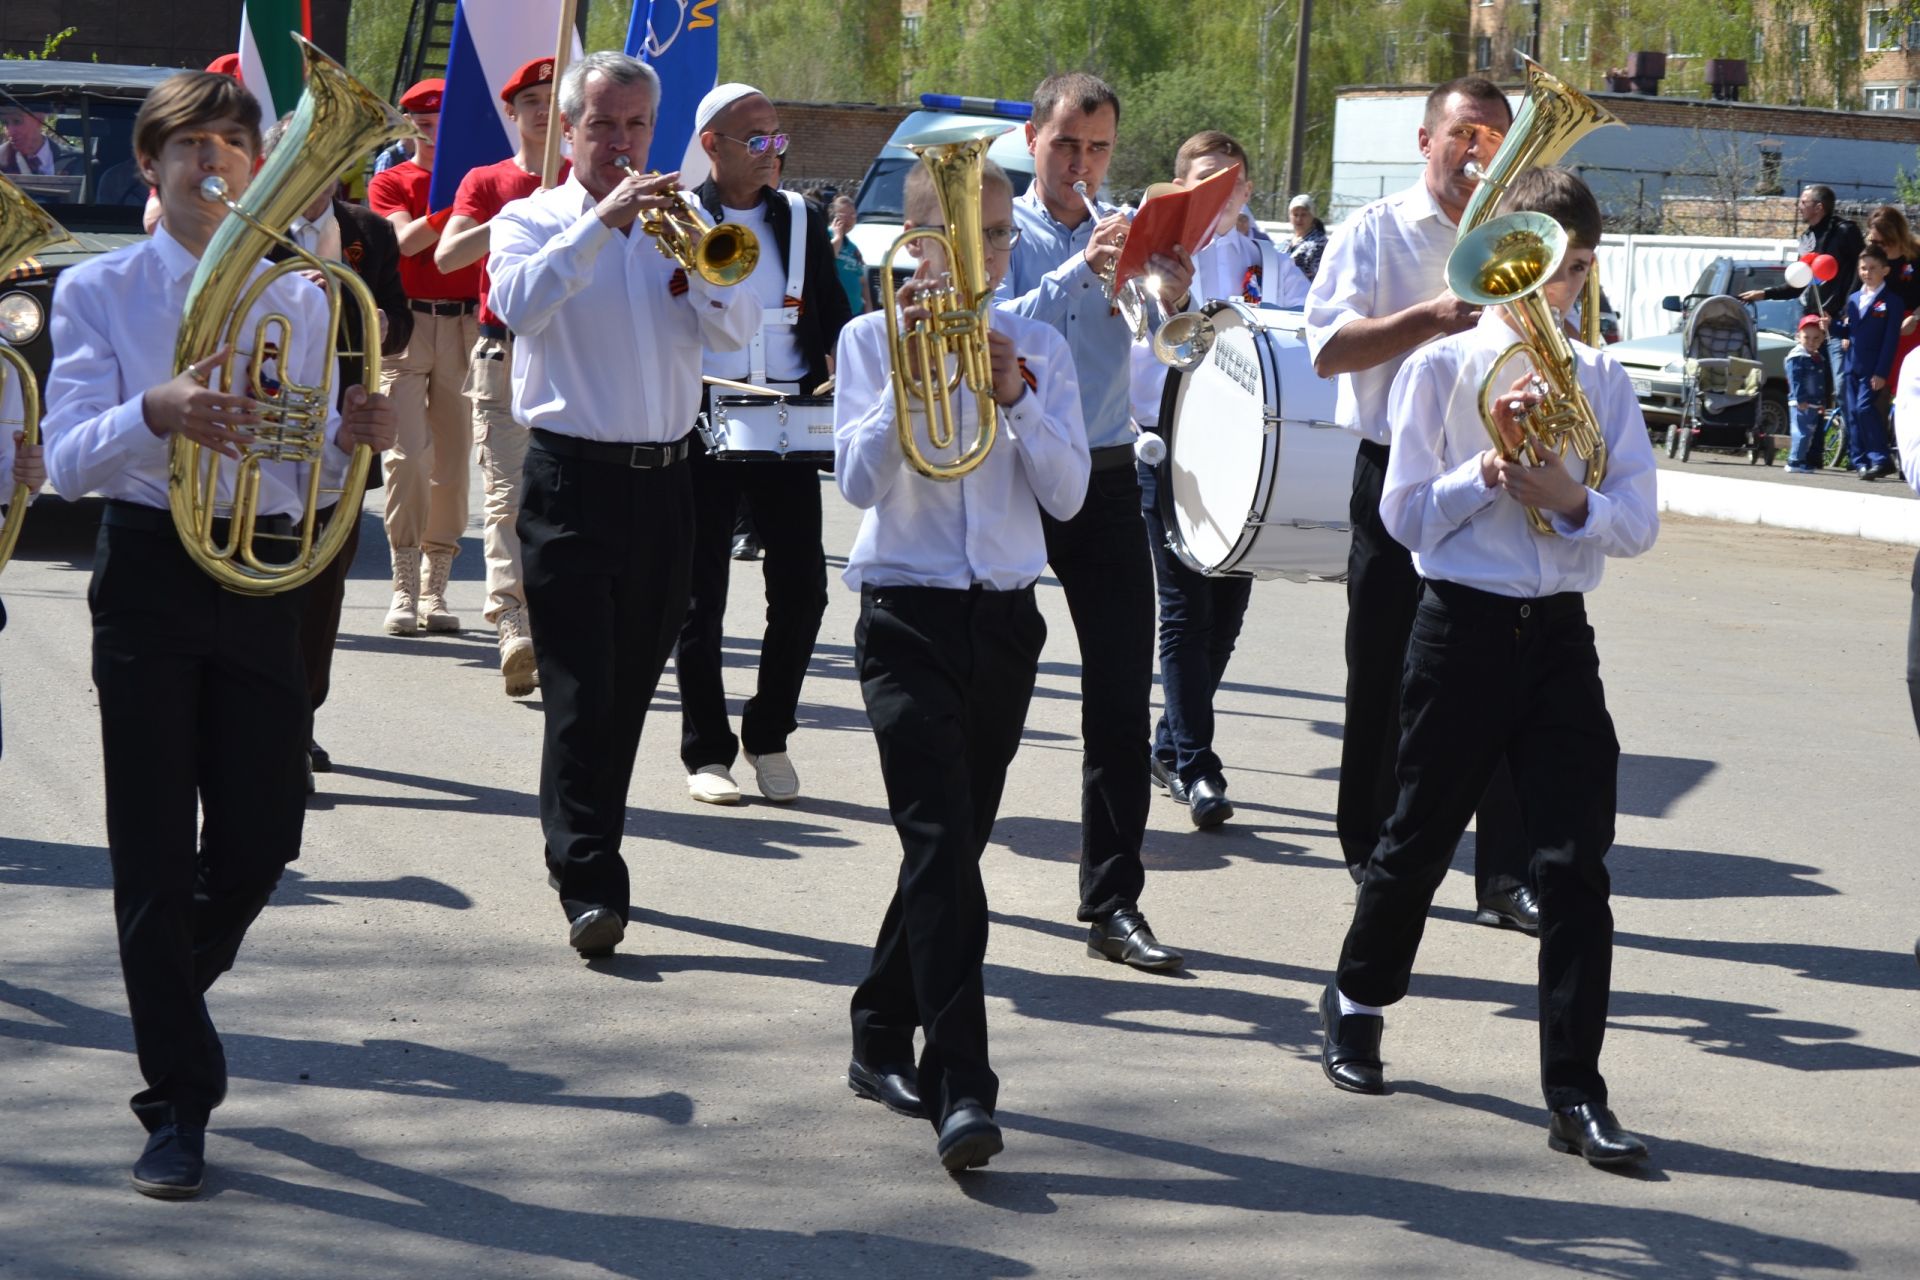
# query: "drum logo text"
[1239,366]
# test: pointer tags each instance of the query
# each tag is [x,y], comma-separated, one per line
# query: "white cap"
[695,168]
[1301,201]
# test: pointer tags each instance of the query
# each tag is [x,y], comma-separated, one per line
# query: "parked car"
[99,199]
[878,208]
[1657,364]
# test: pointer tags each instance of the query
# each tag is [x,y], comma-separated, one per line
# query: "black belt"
[122,514]
[1112,456]
[498,332]
[1462,599]
[427,308]
[643,457]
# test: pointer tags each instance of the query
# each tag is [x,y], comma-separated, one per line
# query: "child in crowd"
[1869,330]
[1809,397]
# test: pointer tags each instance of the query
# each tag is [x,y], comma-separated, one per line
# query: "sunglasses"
[760,144]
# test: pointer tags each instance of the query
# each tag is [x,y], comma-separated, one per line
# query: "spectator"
[1810,398]
[846,255]
[1309,235]
[1888,230]
[1825,233]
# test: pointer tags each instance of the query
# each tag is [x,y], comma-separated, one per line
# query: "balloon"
[1799,274]
[1808,257]
[1825,267]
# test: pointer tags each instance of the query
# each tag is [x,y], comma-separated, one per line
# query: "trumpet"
[721,255]
[1131,299]
[959,308]
[1507,263]
[25,229]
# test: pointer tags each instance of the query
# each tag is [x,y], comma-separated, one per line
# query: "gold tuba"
[25,229]
[722,255]
[961,306]
[1506,263]
[336,122]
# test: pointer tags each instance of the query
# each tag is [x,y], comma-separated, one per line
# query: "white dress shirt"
[11,410]
[984,528]
[603,350]
[1388,256]
[768,284]
[115,319]
[1906,421]
[1436,504]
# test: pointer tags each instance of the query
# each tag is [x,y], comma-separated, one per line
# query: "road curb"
[1879,517]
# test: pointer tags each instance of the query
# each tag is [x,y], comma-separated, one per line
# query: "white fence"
[1638,271]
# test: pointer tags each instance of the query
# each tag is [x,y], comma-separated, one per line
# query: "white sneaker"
[712,784]
[774,772]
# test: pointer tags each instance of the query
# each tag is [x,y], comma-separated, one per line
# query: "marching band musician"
[1380,293]
[606,375]
[502,442]
[1100,554]
[203,697]
[803,309]
[1200,617]
[20,462]
[947,647]
[1502,664]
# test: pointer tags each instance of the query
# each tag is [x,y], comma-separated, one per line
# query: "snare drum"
[757,428]
[1258,478]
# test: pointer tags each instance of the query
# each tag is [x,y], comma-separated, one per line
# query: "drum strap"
[796,277]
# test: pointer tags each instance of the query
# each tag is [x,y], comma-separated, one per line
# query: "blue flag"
[680,39]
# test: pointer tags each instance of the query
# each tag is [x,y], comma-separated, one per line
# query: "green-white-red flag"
[269,60]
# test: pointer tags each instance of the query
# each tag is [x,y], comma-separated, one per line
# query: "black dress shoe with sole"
[1350,1047]
[1591,1131]
[1207,799]
[968,1138]
[1125,938]
[595,932]
[1516,908]
[322,762]
[896,1088]
[174,1165]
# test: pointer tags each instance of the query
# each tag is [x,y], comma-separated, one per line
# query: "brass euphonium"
[337,121]
[960,308]
[25,229]
[1507,263]
[1554,116]
[720,255]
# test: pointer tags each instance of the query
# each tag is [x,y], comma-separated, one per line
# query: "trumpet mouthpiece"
[1080,188]
[213,189]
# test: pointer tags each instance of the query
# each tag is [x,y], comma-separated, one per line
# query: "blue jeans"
[1866,422]
[1808,446]
[1200,620]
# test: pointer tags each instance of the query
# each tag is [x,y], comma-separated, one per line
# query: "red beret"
[227,64]
[539,71]
[424,97]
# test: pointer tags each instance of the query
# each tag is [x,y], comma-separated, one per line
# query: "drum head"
[1217,443]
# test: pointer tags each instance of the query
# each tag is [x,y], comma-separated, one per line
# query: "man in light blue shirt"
[1100,555]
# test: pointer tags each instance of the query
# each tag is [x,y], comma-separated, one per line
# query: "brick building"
[176,33]
[834,142]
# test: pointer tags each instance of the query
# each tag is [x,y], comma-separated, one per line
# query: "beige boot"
[517,666]
[433,594]
[403,616]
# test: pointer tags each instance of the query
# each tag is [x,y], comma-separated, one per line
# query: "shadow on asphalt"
[76,866]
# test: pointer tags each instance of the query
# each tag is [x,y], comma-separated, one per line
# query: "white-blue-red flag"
[680,39]
[492,39]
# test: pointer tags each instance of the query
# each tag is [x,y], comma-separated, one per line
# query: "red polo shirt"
[486,191]
[403,189]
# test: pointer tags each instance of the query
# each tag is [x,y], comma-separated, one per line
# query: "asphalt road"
[427,1082]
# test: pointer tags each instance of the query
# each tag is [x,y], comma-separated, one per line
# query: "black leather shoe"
[322,762]
[174,1164]
[746,547]
[897,1088]
[312,786]
[1884,470]
[1511,909]
[1863,473]
[968,1138]
[595,932]
[1350,1048]
[1590,1130]
[1162,776]
[1126,937]
[1207,799]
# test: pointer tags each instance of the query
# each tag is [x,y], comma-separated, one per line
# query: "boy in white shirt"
[947,646]
[1502,664]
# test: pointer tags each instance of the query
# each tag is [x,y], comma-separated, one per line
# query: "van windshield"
[883,191]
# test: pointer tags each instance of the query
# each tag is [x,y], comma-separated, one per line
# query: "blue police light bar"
[978,106]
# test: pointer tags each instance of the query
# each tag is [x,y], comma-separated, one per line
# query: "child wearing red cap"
[1809,397]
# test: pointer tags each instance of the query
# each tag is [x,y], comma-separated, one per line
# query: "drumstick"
[747,387]
[825,388]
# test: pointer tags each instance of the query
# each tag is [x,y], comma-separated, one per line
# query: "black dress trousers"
[1382,592]
[784,500]
[1550,722]
[1100,557]
[606,548]
[947,676]
[203,706]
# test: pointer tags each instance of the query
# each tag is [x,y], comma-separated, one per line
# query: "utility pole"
[1296,170]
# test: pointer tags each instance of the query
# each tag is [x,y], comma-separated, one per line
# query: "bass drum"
[1257,479]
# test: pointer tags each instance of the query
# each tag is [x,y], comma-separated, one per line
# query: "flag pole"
[563,46]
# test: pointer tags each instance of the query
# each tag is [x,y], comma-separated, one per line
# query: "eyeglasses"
[999,239]
[759,144]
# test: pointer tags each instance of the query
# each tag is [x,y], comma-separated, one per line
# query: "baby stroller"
[1720,406]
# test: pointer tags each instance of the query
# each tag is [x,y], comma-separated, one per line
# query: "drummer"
[1199,616]
[803,309]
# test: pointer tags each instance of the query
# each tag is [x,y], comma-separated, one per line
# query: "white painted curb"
[1782,506]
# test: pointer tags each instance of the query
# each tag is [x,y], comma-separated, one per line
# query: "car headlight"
[1674,366]
[21,318]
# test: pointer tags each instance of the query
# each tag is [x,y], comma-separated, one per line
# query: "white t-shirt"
[768,284]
